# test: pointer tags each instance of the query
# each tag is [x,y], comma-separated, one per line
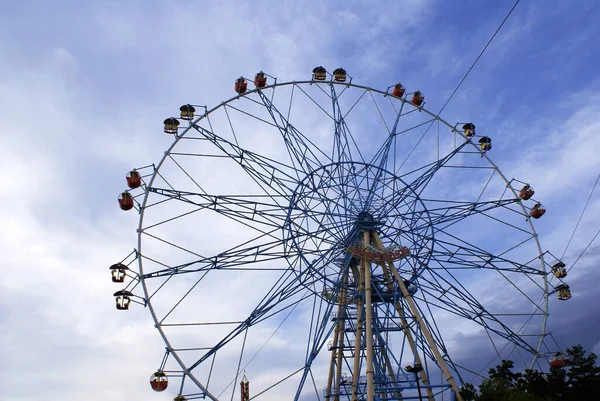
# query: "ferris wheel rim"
[208,112]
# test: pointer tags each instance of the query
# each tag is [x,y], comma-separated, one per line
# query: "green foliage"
[583,376]
[468,392]
[576,382]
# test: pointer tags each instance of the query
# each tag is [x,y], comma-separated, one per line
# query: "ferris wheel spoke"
[443,220]
[454,298]
[244,256]
[343,141]
[428,171]
[303,153]
[442,217]
[453,255]
[246,208]
[381,156]
[329,222]
[429,321]
[454,293]
[321,236]
[399,196]
[328,198]
[278,299]
[264,171]
[501,265]
[347,189]
[438,338]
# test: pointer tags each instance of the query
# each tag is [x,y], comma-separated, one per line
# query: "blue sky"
[84,89]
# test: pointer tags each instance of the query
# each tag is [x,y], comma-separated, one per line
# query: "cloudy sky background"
[84,89]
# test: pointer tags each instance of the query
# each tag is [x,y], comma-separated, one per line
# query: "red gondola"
[125,201]
[417,98]
[159,381]
[260,80]
[398,90]
[134,180]
[526,192]
[241,85]
[537,211]
[558,361]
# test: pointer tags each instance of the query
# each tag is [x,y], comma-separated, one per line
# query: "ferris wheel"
[325,240]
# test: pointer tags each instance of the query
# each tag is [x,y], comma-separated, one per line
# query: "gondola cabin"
[260,80]
[245,389]
[485,143]
[180,398]
[339,75]
[241,85]
[171,125]
[123,299]
[417,98]
[319,73]
[558,361]
[526,192]
[469,129]
[186,112]
[159,381]
[118,272]
[537,211]
[559,270]
[134,179]
[564,292]
[398,90]
[125,201]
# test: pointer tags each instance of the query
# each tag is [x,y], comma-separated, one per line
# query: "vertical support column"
[338,340]
[358,335]
[422,325]
[338,366]
[336,350]
[366,266]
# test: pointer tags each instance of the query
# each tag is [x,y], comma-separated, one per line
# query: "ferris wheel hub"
[365,221]
[323,212]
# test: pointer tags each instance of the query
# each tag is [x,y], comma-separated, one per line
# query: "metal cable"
[580,217]
[480,54]
[585,249]
[462,80]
